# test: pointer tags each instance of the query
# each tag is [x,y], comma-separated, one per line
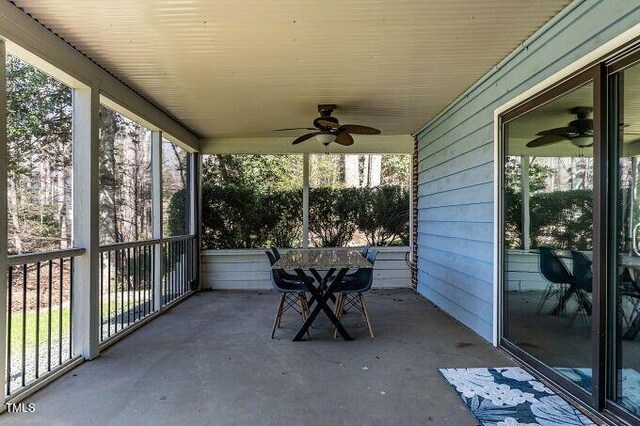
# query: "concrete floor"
[210,361]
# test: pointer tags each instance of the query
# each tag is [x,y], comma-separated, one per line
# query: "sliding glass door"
[624,293]
[570,241]
[548,237]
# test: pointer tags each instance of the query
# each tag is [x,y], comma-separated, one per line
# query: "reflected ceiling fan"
[327,129]
[579,131]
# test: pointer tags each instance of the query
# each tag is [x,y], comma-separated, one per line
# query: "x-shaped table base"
[321,295]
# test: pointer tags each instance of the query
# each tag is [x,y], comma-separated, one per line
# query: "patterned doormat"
[511,397]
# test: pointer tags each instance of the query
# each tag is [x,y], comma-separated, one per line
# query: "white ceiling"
[243,68]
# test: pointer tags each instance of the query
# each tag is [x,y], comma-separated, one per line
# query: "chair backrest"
[582,272]
[371,256]
[552,268]
[365,250]
[276,253]
[276,273]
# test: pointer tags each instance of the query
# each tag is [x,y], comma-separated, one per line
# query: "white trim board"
[589,58]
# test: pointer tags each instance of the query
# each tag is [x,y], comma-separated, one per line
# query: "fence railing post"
[4,217]
[86,222]
[156,215]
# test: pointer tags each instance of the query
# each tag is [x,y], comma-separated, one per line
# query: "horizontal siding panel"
[463,179]
[459,144]
[481,212]
[463,299]
[474,285]
[482,268]
[471,231]
[474,158]
[479,193]
[470,249]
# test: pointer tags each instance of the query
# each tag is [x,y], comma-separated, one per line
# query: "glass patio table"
[333,260]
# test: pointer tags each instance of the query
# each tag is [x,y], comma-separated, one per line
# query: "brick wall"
[414,213]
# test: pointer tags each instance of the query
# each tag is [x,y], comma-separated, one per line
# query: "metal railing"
[40,309]
[126,285]
[178,267]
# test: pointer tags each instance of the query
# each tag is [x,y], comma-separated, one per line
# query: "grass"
[30,320]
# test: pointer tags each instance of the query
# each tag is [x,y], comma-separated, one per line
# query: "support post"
[156,215]
[305,200]
[4,217]
[195,177]
[86,271]
[526,210]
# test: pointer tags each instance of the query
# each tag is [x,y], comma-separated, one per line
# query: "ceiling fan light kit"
[579,131]
[328,129]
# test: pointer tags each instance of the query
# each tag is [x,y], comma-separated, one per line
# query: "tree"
[39,159]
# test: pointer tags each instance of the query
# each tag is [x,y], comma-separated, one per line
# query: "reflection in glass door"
[624,289]
[548,234]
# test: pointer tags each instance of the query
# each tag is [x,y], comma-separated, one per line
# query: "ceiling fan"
[328,129]
[579,131]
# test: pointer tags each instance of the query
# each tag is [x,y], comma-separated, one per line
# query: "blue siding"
[455,180]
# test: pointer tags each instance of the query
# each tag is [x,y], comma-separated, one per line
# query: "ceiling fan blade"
[304,138]
[359,130]
[344,138]
[559,131]
[545,140]
[295,128]
[327,123]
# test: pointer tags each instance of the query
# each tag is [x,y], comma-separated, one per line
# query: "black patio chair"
[553,270]
[292,294]
[365,250]
[582,285]
[284,274]
[350,292]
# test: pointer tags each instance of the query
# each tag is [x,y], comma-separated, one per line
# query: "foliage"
[563,219]
[383,215]
[39,159]
[177,215]
[262,171]
[243,217]
[560,219]
[333,215]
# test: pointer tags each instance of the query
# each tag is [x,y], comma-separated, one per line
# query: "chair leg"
[276,323]
[338,308]
[544,298]
[304,309]
[365,313]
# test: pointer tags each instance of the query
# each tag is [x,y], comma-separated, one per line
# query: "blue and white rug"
[511,397]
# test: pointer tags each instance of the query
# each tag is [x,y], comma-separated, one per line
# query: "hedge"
[236,216]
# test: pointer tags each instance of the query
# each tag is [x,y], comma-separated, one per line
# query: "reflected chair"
[553,270]
[631,291]
[292,294]
[365,250]
[350,292]
[582,285]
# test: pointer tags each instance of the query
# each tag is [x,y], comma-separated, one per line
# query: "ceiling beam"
[364,144]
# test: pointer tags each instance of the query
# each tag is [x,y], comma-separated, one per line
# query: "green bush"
[243,217]
[560,219]
[333,215]
[240,216]
[383,215]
